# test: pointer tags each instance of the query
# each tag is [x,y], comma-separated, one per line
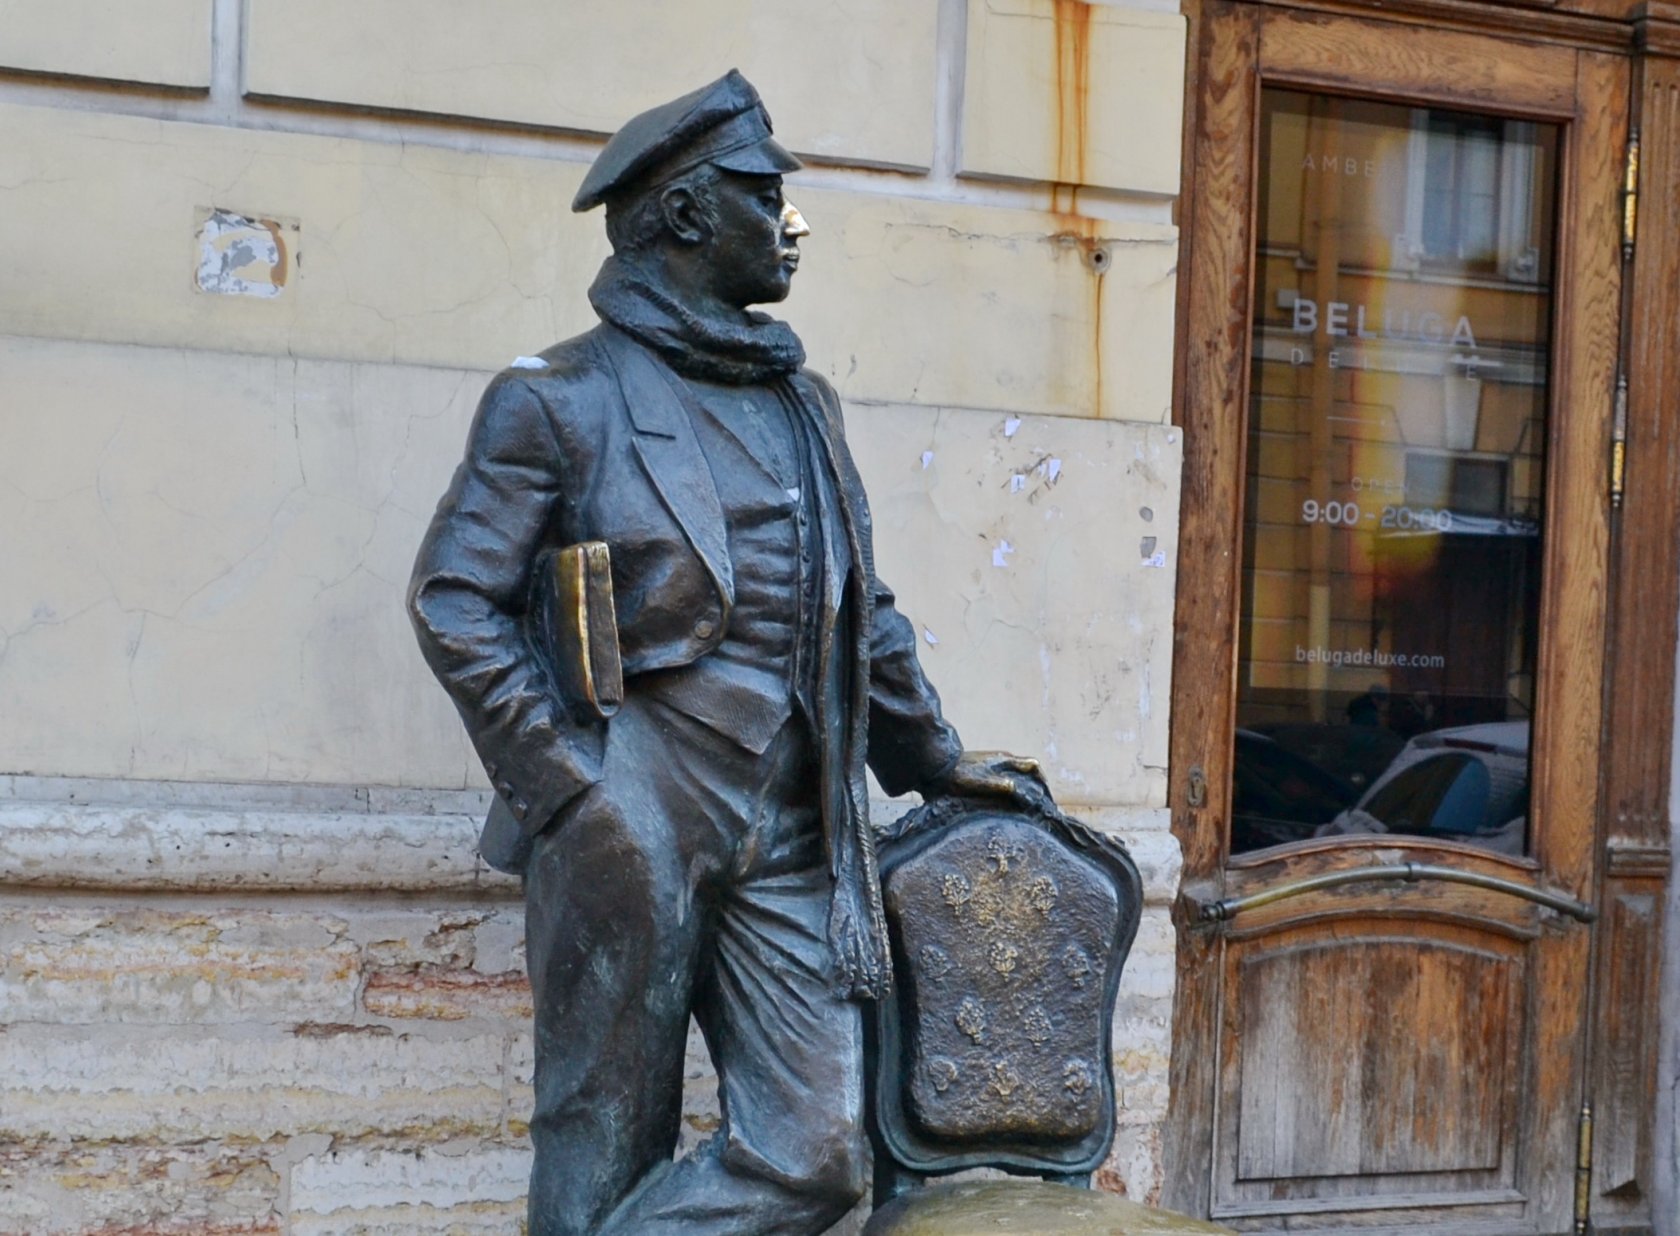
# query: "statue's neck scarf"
[754,349]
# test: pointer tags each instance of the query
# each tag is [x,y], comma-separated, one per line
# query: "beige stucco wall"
[249,971]
[151,42]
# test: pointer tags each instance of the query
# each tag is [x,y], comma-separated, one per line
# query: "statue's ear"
[684,215]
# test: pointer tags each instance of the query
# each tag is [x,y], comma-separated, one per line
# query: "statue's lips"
[790,259]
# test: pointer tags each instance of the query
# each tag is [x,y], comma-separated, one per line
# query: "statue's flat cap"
[724,123]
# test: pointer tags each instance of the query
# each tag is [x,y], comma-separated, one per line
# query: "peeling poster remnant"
[243,256]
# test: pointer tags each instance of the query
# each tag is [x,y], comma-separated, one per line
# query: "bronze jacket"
[598,446]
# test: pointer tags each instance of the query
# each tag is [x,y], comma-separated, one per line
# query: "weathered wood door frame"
[1635,828]
[1617,828]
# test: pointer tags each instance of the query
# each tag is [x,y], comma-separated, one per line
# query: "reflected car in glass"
[1355,755]
[1278,797]
[1469,783]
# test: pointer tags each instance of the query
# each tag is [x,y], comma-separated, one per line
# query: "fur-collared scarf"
[760,349]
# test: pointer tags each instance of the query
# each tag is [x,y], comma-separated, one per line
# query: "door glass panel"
[1396,451]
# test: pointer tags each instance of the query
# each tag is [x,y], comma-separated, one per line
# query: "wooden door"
[1401,330]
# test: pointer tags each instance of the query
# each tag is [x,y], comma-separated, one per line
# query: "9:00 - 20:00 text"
[1403,518]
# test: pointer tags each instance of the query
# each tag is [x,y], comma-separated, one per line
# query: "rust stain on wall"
[1096,344]
[1073,88]
[1082,232]
[1073,98]
[282,262]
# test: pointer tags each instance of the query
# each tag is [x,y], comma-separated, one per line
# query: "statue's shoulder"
[561,394]
[824,387]
[578,362]
[822,390]
[571,375]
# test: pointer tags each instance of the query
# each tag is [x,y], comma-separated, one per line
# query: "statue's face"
[754,249]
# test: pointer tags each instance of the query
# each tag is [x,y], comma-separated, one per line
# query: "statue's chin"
[771,296]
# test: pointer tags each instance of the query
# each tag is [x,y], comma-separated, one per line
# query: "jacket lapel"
[846,552]
[670,453]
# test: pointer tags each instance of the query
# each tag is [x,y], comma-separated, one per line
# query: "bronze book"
[573,627]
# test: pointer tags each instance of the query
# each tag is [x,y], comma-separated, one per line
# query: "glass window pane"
[1395,469]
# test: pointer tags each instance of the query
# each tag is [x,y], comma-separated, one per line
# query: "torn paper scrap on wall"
[239,255]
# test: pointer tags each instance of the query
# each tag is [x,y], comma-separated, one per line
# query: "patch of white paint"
[930,637]
[927,460]
[1001,552]
[240,256]
[1053,470]
[528,362]
[1011,427]
[1017,483]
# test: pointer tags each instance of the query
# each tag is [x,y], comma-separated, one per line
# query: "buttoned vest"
[761,463]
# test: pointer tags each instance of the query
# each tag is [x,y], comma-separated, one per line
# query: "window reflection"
[1394,474]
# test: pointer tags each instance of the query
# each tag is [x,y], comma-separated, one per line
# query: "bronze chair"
[1009,931]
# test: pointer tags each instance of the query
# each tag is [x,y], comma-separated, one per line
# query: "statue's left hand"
[993,774]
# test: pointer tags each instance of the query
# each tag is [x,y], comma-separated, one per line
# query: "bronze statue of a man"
[705,849]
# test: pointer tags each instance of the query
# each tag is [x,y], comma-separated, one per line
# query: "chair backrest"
[1009,930]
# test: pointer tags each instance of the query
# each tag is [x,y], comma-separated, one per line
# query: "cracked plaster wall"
[874,59]
[242,995]
[435,257]
[211,550]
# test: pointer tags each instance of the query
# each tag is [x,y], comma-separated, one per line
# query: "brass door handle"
[1227,908]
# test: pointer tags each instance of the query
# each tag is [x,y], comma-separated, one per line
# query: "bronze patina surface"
[1009,930]
[1005,1010]
[696,845]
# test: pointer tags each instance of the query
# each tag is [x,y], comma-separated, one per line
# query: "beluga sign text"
[1340,319]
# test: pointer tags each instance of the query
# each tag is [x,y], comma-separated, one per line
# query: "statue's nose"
[793,223]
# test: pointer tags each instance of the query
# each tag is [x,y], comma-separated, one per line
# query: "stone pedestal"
[1024,1208]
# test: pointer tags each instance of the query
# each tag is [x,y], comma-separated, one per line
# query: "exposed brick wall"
[288,1060]
[281,1064]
